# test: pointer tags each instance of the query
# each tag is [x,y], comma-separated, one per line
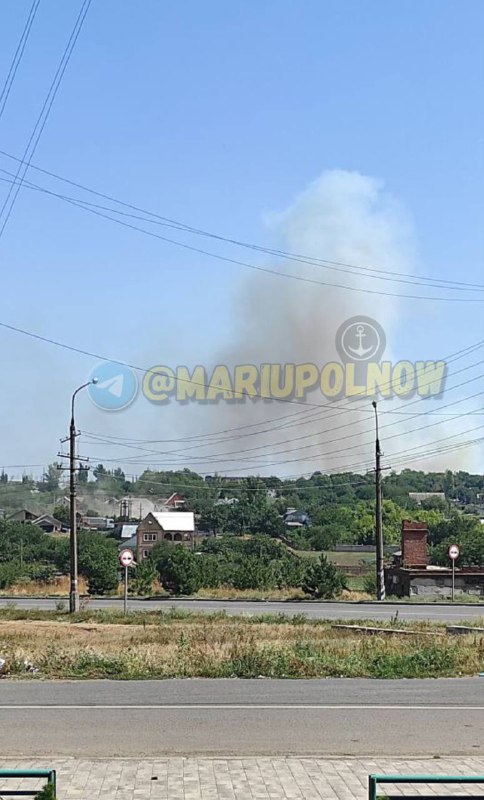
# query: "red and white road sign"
[126,558]
[453,552]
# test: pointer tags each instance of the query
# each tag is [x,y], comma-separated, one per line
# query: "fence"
[15,774]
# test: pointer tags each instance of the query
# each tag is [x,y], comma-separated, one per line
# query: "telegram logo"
[116,386]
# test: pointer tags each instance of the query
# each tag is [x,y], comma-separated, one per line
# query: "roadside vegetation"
[252,553]
[181,644]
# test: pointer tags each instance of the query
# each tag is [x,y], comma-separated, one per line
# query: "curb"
[191,599]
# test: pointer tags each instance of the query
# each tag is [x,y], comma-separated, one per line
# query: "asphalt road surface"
[238,717]
[438,613]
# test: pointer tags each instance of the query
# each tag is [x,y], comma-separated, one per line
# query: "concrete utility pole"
[74,585]
[380,574]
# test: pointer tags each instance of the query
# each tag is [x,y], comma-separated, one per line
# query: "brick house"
[174,502]
[411,574]
[177,527]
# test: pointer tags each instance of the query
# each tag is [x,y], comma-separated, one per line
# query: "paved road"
[444,613]
[236,717]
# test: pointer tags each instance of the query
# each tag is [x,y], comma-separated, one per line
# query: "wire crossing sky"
[227,184]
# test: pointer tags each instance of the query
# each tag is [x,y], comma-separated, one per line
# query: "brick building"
[411,575]
[176,527]
[414,544]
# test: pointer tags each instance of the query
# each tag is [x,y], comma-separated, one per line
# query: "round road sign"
[126,558]
[453,552]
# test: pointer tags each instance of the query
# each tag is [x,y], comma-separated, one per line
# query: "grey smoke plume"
[343,217]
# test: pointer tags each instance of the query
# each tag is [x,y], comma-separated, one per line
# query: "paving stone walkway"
[242,778]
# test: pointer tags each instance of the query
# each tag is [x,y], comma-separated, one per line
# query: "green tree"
[50,479]
[143,576]
[435,504]
[324,537]
[178,568]
[323,580]
[251,573]
[213,517]
[82,474]
[22,542]
[98,562]
[61,512]
[100,472]
[471,546]
[455,528]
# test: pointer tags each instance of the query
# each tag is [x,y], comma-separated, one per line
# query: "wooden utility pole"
[380,572]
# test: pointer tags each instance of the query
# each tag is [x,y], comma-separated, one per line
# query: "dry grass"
[59,587]
[194,645]
[229,593]
[354,595]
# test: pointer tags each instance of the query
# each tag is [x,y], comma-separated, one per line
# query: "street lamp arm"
[79,388]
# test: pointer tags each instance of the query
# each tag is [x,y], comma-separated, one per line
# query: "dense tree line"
[27,553]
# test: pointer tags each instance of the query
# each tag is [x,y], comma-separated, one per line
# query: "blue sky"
[221,114]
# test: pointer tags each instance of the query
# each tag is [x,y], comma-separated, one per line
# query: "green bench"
[16,774]
[375,780]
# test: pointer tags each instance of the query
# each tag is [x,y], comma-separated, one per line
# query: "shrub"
[9,573]
[179,569]
[369,583]
[47,793]
[98,562]
[323,580]
[143,577]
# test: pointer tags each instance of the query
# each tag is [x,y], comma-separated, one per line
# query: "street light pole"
[74,586]
[380,573]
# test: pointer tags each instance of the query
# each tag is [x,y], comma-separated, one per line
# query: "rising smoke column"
[342,217]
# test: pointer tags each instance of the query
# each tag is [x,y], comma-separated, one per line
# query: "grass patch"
[178,643]
[229,593]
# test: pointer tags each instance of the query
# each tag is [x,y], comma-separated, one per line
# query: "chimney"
[414,544]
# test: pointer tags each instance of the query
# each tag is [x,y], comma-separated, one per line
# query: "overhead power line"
[271,445]
[398,458]
[308,421]
[331,454]
[72,349]
[183,227]
[39,126]
[260,268]
[17,58]
[97,209]
[308,416]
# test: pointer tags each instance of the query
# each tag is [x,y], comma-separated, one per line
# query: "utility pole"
[74,585]
[380,573]
[73,459]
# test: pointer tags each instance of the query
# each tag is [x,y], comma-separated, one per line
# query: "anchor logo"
[360,339]
[360,335]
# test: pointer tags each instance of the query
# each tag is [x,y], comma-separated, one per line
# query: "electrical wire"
[409,416]
[300,259]
[17,58]
[169,222]
[71,348]
[197,437]
[367,464]
[268,270]
[39,126]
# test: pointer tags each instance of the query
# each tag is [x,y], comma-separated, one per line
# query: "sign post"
[453,555]
[126,559]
